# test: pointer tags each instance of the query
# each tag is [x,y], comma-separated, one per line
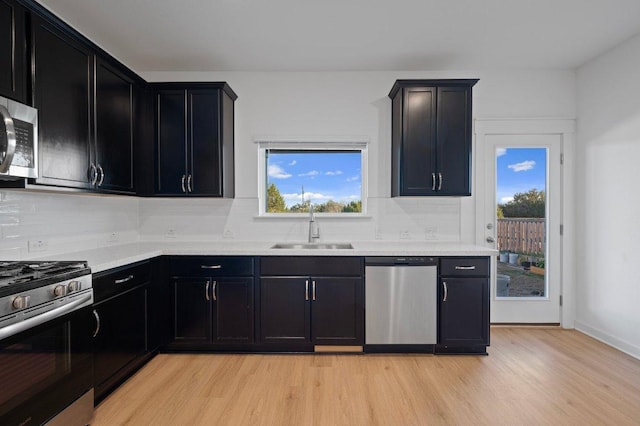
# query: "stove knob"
[59,290]
[21,302]
[74,286]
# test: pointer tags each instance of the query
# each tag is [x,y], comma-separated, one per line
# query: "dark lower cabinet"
[13,54]
[463,323]
[211,310]
[311,310]
[120,336]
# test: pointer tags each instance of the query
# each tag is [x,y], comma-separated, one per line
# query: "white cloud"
[277,172]
[293,163]
[334,173]
[505,200]
[353,178]
[522,167]
[297,197]
[500,152]
[311,173]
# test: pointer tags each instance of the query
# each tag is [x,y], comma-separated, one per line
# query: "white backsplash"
[216,219]
[58,222]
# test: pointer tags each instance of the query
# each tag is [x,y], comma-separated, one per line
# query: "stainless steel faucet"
[314,229]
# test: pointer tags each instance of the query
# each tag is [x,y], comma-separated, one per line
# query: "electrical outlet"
[36,246]
[171,233]
[404,235]
[228,233]
[430,233]
[377,234]
[113,237]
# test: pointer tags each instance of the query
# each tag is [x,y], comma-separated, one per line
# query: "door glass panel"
[521,188]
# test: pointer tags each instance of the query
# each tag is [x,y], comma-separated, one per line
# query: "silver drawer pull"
[211,266]
[124,280]
[465,268]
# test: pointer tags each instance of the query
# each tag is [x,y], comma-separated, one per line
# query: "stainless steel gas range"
[46,354]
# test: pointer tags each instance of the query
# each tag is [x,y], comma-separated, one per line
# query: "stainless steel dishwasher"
[401,300]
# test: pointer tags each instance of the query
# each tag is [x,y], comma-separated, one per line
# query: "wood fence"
[521,235]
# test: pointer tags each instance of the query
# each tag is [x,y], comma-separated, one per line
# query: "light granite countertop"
[102,259]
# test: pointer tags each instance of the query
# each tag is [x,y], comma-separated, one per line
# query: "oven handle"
[11,139]
[14,329]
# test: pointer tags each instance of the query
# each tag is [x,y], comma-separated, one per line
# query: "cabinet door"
[62,92]
[192,310]
[171,134]
[13,69]
[205,150]
[337,313]
[418,142]
[284,309]
[114,128]
[122,333]
[464,311]
[232,310]
[454,140]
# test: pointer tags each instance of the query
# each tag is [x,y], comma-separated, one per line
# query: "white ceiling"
[351,35]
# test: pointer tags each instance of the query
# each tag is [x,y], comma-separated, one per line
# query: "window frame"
[341,144]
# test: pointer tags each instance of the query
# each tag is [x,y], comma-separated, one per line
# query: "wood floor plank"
[531,376]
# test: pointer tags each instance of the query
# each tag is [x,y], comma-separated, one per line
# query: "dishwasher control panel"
[399,260]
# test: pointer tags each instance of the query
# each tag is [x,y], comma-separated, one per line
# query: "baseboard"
[610,340]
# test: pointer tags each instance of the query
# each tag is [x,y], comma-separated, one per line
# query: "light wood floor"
[531,376]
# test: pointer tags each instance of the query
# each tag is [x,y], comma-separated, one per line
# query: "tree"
[275,201]
[525,204]
[353,207]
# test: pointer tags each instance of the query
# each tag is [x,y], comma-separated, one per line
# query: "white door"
[522,181]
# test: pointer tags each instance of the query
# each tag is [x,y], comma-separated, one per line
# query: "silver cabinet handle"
[124,280]
[439,181]
[189,188]
[465,268]
[313,290]
[101,172]
[97,317]
[182,183]
[94,174]
[446,291]
[210,266]
[206,290]
[213,291]
[10,149]
[306,290]
[433,181]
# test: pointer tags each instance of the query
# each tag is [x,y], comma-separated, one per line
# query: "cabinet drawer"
[464,267]
[118,280]
[311,265]
[211,266]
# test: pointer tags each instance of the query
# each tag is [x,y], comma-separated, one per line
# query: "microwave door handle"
[11,139]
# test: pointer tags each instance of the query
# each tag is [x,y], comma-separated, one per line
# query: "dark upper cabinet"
[13,53]
[194,139]
[464,303]
[431,137]
[63,93]
[112,165]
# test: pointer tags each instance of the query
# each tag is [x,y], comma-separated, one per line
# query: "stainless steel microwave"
[18,140]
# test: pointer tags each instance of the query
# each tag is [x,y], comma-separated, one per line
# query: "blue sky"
[324,175]
[519,170]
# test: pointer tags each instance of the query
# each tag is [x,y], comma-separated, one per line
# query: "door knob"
[490,239]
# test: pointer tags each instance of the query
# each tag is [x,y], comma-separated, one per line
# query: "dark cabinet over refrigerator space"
[431,137]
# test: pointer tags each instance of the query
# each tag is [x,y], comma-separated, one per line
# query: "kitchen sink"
[313,246]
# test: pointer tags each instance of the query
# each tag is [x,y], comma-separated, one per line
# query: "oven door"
[46,368]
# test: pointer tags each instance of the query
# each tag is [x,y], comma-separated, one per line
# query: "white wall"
[608,199]
[286,104]
[325,104]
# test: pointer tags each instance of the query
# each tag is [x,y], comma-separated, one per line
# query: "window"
[328,176]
